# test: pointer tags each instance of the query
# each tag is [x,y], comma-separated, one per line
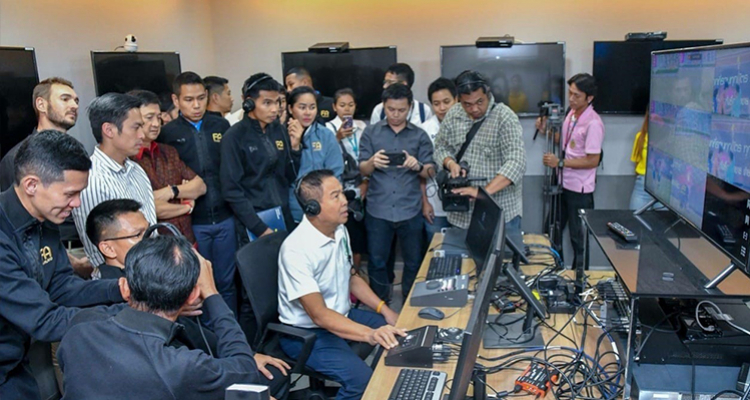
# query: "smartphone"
[348,122]
[396,159]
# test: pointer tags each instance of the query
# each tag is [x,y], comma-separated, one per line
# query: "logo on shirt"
[252,149]
[216,137]
[572,144]
[325,113]
[317,146]
[280,145]
[46,254]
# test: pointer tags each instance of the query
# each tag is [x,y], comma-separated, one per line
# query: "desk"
[384,377]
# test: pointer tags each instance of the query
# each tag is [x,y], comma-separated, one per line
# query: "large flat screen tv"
[361,70]
[623,72]
[520,76]
[698,161]
[121,72]
[18,76]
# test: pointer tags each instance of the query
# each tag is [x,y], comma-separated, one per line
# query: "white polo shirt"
[311,262]
[414,115]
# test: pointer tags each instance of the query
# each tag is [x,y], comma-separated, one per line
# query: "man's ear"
[107,250]
[174,100]
[589,99]
[41,105]
[213,98]
[30,184]
[109,130]
[194,295]
[124,289]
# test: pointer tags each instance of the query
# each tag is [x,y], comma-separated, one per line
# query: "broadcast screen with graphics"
[699,141]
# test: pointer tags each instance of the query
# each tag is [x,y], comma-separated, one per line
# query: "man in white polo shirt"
[316,277]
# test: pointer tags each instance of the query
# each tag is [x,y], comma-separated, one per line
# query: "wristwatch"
[561,163]
[175,191]
[421,167]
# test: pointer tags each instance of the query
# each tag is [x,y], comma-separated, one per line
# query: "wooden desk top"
[384,377]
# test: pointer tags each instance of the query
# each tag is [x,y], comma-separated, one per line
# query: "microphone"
[355,207]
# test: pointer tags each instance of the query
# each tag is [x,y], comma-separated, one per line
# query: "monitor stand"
[721,276]
[513,331]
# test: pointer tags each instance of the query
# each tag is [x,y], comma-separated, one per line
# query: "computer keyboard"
[443,267]
[418,384]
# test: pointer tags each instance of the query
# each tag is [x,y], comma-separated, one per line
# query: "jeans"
[639,198]
[571,203]
[380,235]
[218,244]
[438,223]
[332,356]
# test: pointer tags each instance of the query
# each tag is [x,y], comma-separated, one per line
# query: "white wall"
[63,32]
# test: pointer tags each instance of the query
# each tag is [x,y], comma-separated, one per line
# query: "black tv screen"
[18,76]
[623,72]
[121,72]
[361,70]
[520,76]
[699,141]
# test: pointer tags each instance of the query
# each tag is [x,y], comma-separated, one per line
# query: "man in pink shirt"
[582,136]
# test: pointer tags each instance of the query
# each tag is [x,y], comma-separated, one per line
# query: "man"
[394,197]
[133,352]
[582,137]
[316,277]
[495,152]
[197,137]
[220,100]
[403,74]
[38,291]
[56,108]
[299,76]
[175,185]
[115,226]
[259,161]
[442,95]
[117,126]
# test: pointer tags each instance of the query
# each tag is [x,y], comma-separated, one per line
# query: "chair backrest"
[258,264]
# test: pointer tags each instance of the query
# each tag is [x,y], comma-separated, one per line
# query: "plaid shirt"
[497,149]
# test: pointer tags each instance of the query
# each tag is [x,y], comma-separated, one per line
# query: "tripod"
[552,186]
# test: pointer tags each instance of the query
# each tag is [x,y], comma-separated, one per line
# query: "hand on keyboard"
[385,336]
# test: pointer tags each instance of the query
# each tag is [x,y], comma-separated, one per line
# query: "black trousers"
[571,203]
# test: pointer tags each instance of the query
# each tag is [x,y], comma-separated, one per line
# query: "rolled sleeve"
[594,138]
[296,275]
[443,149]
[513,152]
[365,145]
[426,150]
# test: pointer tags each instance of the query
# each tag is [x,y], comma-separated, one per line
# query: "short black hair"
[146,97]
[214,84]
[403,71]
[166,104]
[468,82]
[186,78]
[267,83]
[295,94]
[298,71]
[585,83]
[311,185]
[112,108]
[441,84]
[48,154]
[397,92]
[161,273]
[344,92]
[103,217]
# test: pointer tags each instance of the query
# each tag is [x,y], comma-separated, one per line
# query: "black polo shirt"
[325,109]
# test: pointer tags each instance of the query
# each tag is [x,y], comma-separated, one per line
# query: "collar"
[152,150]
[196,125]
[119,272]
[19,217]
[584,114]
[216,113]
[110,162]
[144,322]
[315,237]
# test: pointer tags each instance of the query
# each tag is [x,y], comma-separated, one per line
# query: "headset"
[479,79]
[309,207]
[249,104]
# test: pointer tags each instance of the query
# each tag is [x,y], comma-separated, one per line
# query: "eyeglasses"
[137,235]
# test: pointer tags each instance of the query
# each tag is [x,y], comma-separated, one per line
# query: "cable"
[728,391]
[720,316]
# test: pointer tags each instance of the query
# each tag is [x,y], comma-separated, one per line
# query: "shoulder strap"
[382,113]
[470,135]
[421,112]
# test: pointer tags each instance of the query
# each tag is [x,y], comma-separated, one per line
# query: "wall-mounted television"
[18,76]
[121,72]
[520,76]
[361,70]
[623,72]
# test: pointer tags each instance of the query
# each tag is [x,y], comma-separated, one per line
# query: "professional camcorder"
[451,201]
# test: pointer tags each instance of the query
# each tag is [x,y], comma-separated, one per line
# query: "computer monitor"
[121,72]
[486,216]
[472,338]
[18,76]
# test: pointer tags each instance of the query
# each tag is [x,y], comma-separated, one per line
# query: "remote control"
[622,232]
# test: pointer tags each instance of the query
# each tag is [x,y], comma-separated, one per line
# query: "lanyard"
[569,132]
[353,142]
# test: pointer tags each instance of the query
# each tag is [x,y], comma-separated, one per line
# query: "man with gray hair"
[117,126]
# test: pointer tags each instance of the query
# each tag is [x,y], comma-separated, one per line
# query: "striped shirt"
[108,180]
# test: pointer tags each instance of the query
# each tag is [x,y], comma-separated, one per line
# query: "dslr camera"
[451,201]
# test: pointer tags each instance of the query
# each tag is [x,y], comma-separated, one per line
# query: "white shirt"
[234,117]
[432,126]
[413,116]
[108,180]
[351,144]
[311,262]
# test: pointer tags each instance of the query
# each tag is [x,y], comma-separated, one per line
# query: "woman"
[640,198]
[319,147]
[348,133]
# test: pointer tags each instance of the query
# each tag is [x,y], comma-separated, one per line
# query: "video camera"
[451,201]
[550,110]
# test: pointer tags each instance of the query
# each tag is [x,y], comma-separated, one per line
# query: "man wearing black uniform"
[197,137]
[299,76]
[38,291]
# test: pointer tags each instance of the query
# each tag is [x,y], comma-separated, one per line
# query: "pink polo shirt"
[580,137]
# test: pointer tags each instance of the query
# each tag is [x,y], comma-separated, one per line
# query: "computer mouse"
[431,313]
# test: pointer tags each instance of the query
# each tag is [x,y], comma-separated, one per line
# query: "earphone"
[309,207]
[166,225]
[249,104]
[479,79]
